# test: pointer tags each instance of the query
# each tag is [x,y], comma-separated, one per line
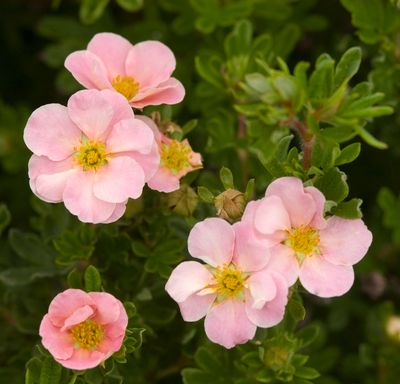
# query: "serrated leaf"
[333,185]
[225,174]
[50,372]
[92,279]
[348,209]
[348,154]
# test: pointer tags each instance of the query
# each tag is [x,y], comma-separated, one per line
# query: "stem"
[73,378]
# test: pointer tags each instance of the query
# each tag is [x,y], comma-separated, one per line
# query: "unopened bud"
[230,204]
[393,328]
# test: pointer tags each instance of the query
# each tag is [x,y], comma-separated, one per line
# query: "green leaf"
[307,373]
[348,209]
[308,334]
[226,177]
[74,279]
[205,194]
[348,66]
[369,139]
[51,372]
[348,154]
[130,309]
[321,80]
[238,42]
[130,5]
[91,10]
[296,308]
[209,68]
[333,185]
[92,279]
[5,217]
[248,194]
[15,277]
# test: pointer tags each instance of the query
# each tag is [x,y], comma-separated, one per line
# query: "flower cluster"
[96,153]
[281,238]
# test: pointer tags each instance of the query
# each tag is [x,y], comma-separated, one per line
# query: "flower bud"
[230,204]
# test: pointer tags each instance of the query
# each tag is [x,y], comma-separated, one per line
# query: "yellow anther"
[126,86]
[91,155]
[229,282]
[304,240]
[87,334]
[175,156]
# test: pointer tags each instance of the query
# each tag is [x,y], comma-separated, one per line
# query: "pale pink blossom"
[176,160]
[233,290]
[289,225]
[81,329]
[93,154]
[140,72]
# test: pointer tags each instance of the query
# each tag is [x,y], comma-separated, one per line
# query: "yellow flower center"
[175,156]
[229,282]
[87,334]
[303,240]
[126,86]
[91,155]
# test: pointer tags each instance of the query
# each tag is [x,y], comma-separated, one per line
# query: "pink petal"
[273,311]
[300,206]
[88,70]
[149,161]
[318,220]
[48,178]
[344,242]
[271,216]
[120,179]
[83,359]
[117,214]
[164,181]
[66,303]
[187,278]
[107,307]
[228,325]
[108,346]
[150,63]
[319,277]
[80,200]
[152,125]
[250,211]
[58,343]
[196,306]
[169,92]
[91,112]
[50,132]
[251,251]
[78,316]
[284,262]
[121,109]
[112,50]
[261,288]
[130,135]
[212,240]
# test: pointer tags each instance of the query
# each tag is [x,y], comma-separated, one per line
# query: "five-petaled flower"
[233,290]
[289,224]
[176,160]
[140,72]
[82,329]
[93,154]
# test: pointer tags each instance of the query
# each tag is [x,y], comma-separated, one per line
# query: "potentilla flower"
[176,160]
[93,154]
[234,290]
[140,72]
[83,329]
[301,243]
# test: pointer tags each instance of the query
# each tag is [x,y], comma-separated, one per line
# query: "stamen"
[126,86]
[87,335]
[229,282]
[175,156]
[304,240]
[91,155]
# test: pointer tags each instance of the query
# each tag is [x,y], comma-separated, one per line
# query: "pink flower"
[176,160]
[93,154]
[83,329]
[234,291]
[289,223]
[140,72]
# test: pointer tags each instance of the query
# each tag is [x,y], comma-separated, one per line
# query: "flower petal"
[152,125]
[107,307]
[121,109]
[149,161]
[251,251]
[112,50]
[130,135]
[228,325]
[271,216]
[212,240]
[318,220]
[91,112]
[117,214]
[78,316]
[274,310]
[80,200]
[150,63]
[164,181]
[48,178]
[344,242]
[324,279]
[120,179]
[88,70]
[300,206]
[187,278]
[50,132]
[169,92]
[196,306]
[82,359]
[284,262]
[261,288]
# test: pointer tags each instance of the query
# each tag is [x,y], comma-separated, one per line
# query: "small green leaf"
[74,279]
[130,308]
[51,372]
[91,10]
[296,308]
[348,154]
[248,194]
[321,80]
[226,177]
[205,194]
[348,209]
[307,373]
[92,279]
[369,139]
[333,185]
[130,5]
[348,66]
